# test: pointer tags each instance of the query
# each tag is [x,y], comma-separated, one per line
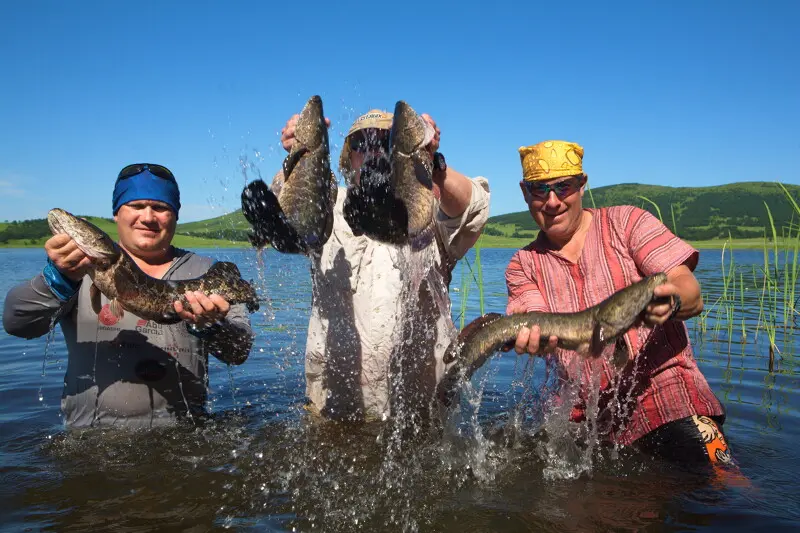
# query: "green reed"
[473,273]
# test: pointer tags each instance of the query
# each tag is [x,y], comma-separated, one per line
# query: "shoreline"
[485,241]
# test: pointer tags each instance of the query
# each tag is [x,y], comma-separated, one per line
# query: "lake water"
[260,464]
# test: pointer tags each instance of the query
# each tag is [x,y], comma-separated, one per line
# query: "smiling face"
[556,205]
[146,229]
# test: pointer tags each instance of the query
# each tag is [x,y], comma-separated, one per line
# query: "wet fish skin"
[586,331]
[299,218]
[117,276]
[394,203]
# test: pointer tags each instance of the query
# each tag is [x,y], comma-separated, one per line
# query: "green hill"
[706,214]
[693,213]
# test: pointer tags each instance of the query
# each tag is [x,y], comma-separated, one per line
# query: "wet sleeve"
[655,248]
[523,290]
[460,233]
[30,307]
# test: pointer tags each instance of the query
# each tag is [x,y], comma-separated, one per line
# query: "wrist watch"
[439,162]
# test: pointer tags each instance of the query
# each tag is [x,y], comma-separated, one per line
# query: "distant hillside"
[230,227]
[30,232]
[693,213]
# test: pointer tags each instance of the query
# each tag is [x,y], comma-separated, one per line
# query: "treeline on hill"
[26,230]
[234,235]
[695,213]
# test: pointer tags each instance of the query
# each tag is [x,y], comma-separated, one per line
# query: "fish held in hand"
[587,331]
[299,218]
[128,288]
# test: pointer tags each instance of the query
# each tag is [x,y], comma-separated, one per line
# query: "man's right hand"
[287,133]
[66,256]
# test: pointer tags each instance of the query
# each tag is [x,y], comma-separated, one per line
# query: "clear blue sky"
[674,93]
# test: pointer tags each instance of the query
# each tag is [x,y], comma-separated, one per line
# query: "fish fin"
[292,159]
[467,333]
[223,270]
[116,308]
[94,298]
[263,211]
[598,340]
[423,168]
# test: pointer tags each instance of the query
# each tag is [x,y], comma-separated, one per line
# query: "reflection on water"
[260,463]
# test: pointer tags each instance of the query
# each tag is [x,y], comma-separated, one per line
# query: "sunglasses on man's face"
[563,189]
[369,140]
[137,168]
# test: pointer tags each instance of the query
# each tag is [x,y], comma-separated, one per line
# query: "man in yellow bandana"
[651,392]
[359,286]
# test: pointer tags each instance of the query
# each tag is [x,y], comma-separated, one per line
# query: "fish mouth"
[91,240]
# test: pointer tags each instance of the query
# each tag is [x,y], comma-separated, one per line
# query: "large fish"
[586,331]
[393,202]
[300,218]
[118,277]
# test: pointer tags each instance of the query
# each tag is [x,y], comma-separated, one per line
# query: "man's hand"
[288,131]
[202,309]
[660,309]
[67,257]
[528,338]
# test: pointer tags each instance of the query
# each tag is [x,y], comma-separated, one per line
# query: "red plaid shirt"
[661,383]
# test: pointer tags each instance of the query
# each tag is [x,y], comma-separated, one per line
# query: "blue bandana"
[146,186]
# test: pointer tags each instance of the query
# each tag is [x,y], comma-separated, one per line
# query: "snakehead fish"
[117,276]
[297,215]
[586,331]
[393,202]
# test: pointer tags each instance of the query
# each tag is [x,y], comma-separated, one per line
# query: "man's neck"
[572,247]
[154,265]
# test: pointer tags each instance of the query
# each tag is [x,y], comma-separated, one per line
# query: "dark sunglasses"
[563,189]
[156,170]
[372,138]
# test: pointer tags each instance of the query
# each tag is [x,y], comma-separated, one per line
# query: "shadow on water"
[261,463]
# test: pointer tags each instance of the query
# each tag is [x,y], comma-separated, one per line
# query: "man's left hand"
[659,310]
[202,309]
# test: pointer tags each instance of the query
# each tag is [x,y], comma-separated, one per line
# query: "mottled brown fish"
[299,218]
[117,276]
[393,201]
[586,331]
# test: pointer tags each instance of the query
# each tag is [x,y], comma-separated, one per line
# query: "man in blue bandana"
[126,370]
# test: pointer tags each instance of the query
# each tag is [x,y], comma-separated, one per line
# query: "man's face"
[367,143]
[146,227]
[556,205]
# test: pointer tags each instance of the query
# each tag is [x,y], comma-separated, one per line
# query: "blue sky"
[673,93]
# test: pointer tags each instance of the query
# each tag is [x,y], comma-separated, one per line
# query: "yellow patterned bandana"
[551,159]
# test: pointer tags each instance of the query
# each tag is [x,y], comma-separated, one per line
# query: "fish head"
[311,131]
[409,133]
[92,241]
[621,311]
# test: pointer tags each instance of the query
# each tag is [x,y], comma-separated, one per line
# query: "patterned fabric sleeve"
[655,248]
[523,291]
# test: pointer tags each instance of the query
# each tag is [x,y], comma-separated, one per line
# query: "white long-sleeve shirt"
[382,310]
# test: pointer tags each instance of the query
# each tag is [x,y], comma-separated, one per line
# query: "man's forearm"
[455,192]
[688,290]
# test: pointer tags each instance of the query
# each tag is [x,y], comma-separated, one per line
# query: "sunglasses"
[563,189]
[369,139]
[156,170]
